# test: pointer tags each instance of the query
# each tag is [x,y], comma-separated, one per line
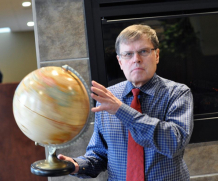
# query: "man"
[163,129]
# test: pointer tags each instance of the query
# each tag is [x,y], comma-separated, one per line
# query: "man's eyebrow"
[143,48]
[138,49]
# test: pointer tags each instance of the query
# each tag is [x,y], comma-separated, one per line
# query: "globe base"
[52,166]
[44,168]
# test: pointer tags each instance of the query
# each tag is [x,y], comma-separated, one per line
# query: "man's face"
[139,69]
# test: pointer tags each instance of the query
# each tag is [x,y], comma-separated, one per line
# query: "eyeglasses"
[144,53]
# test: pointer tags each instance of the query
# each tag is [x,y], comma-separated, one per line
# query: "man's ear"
[157,55]
[120,62]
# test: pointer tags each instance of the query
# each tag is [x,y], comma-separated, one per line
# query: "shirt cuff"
[82,165]
[125,113]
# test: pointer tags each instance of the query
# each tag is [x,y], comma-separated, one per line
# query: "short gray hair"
[133,33]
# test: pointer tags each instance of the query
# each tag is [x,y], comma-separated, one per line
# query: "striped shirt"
[163,128]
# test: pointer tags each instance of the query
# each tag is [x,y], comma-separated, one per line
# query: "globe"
[51,106]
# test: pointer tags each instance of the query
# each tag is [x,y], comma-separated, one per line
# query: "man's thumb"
[61,157]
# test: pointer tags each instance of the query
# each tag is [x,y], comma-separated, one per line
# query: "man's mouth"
[137,69]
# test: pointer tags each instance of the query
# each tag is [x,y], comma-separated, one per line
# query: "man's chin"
[139,83]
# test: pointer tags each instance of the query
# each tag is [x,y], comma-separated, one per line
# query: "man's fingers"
[96,84]
[61,157]
[99,86]
[98,91]
[66,158]
[96,109]
[97,98]
[108,101]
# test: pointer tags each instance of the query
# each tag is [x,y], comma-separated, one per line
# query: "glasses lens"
[128,55]
[145,52]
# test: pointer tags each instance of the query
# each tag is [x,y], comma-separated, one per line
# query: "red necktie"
[135,154]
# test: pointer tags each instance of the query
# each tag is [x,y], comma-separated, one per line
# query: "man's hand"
[62,157]
[108,101]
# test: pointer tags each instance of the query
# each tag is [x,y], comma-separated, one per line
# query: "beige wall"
[17,55]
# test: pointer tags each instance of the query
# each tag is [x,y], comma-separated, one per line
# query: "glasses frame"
[139,52]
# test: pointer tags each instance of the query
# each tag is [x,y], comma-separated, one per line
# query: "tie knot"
[135,92]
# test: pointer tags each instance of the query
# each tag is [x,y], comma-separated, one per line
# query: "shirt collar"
[148,88]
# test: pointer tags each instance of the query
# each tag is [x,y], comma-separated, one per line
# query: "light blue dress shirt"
[163,128]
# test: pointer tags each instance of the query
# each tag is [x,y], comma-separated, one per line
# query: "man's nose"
[136,57]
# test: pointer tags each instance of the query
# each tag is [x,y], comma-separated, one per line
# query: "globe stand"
[52,166]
